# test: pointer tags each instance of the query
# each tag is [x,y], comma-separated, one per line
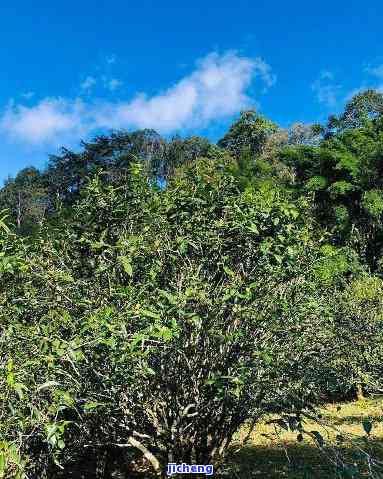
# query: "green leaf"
[367,426]
[19,388]
[47,384]
[172,299]
[228,271]
[2,464]
[137,338]
[316,183]
[267,358]
[253,229]
[126,264]
[150,314]
[51,431]
[278,258]
[92,405]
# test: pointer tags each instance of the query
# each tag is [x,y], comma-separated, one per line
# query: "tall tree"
[249,132]
[26,198]
[362,107]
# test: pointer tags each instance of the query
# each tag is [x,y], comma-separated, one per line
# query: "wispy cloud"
[113,84]
[373,80]
[111,59]
[28,95]
[264,70]
[88,83]
[216,89]
[376,71]
[325,89]
[326,75]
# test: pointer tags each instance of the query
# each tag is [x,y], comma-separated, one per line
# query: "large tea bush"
[154,322]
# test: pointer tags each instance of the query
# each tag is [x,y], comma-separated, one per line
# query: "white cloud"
[376,71]
[46,121]
[111,59]
[28,95]
[326,75]
[361,89]
[325,89]
[368,84]
[114,84]
[88,83]
[214,90]
[264,70]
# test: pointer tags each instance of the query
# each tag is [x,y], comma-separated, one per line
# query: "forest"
[160,295]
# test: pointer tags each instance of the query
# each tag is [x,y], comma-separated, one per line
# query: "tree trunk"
[18,219]
[359,392]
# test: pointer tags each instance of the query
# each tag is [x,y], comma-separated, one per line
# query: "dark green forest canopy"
[339,164]
[252,269]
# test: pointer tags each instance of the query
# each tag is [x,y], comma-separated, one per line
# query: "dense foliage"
[156,295]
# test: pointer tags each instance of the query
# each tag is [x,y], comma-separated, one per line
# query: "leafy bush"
[160,320]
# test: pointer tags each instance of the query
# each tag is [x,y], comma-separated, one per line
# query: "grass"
[274,453]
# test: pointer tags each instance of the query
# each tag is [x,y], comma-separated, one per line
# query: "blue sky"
[72,69]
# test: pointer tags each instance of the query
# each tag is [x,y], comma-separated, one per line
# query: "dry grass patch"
[273,452]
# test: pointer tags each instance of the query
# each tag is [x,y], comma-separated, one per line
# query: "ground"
[273,453]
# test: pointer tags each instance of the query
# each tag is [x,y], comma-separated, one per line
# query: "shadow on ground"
[296,462]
